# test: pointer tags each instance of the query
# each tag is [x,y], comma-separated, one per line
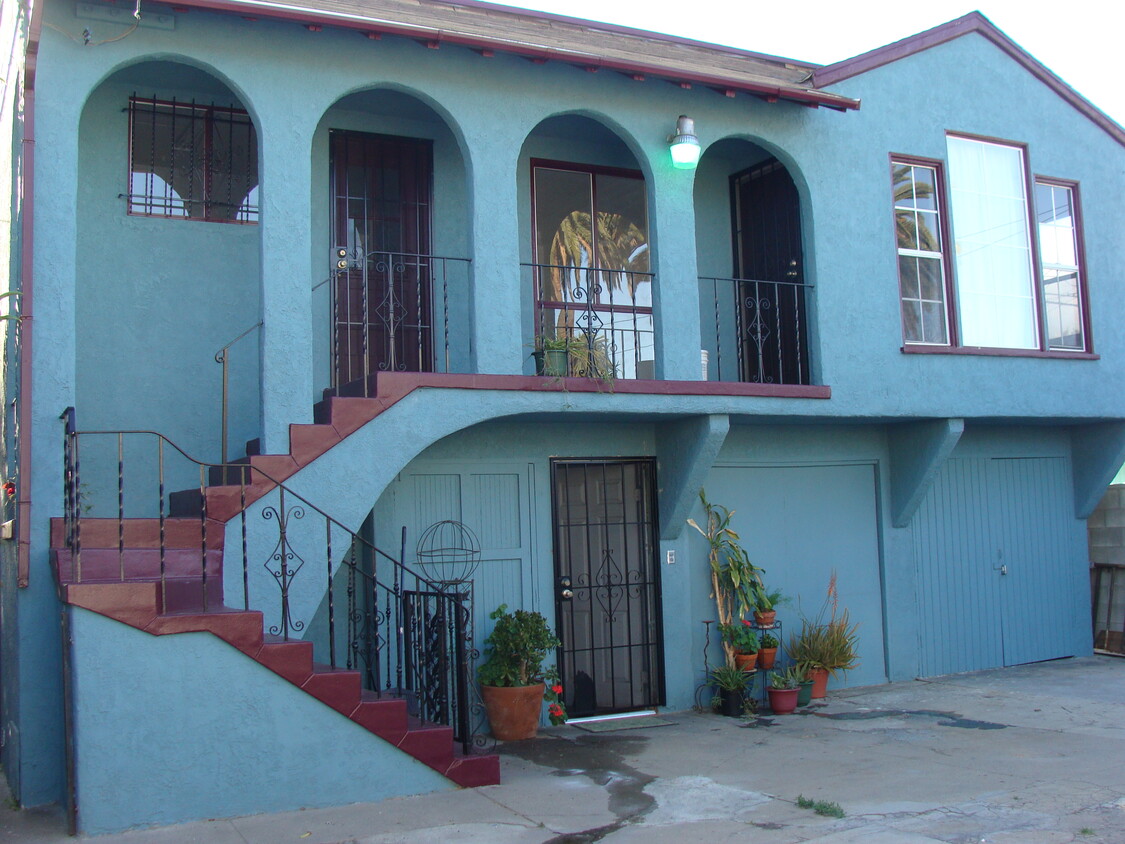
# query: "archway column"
[285,175]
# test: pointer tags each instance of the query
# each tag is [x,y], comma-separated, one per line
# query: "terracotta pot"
[766,658]
[804,693]
[513,711]
[746,662]
[765,619]
[782,701]
[820,682]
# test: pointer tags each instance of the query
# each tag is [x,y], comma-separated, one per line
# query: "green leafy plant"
[729,679]
[769,641]
[821,807]
[740,636]
[830,643]
[514,654]
[734,579]
[790,678]
[764,601]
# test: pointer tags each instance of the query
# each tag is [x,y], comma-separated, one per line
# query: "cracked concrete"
[1027,754]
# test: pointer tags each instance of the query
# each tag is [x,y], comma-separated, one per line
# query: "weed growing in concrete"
[1085,831]
[821,807]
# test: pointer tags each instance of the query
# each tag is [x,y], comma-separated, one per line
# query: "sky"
[1076,39]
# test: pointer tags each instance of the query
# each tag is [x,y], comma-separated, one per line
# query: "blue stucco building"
[287,284]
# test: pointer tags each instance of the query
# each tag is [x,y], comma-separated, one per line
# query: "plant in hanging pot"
[552,355]
[514,682]
[742,638]
[734,579]
[730,687]
[782,689]
[767,651]
[826,645]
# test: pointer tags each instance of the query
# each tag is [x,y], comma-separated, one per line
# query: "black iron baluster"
[398,608]
[120,506]
[203,528]
[460,668]
[245,556]
[331,598]
[163,535]
[353,638]
[718,338]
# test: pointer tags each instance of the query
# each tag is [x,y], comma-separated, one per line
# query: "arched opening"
[168,257]
[390,202]
[754,296]
[586,254]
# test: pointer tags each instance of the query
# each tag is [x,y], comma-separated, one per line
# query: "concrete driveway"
[1028,754]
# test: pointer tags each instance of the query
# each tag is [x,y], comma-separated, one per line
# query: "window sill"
[1001,353]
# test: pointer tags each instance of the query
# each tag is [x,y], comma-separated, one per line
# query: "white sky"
[1077,39]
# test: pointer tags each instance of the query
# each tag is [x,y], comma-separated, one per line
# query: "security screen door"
[607,588]
[382,298]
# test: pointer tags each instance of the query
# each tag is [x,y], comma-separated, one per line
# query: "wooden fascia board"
[972,22]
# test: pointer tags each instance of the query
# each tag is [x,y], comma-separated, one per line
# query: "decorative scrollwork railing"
[407,635]
[756,331]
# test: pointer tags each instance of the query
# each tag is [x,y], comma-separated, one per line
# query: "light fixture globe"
[684,145]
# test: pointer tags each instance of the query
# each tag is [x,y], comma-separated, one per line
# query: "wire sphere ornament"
[448,552]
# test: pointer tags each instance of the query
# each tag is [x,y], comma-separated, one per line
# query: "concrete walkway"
[1028,754]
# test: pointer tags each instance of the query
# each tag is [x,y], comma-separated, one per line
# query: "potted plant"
[825,646]
[804,687]
[730,689]
[742,638]
[782,690]
[766,604]
[734,579]
[513,680]
[552,355]
[767,651]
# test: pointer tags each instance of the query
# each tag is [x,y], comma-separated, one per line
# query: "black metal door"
[607,585]
[771,299]
[381,294]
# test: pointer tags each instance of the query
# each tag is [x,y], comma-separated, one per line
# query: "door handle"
[565,592]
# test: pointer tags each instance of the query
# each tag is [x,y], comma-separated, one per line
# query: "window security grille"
[196,162]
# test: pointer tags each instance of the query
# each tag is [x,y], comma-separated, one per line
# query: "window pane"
[992,245]
[1058,248]
[921,272]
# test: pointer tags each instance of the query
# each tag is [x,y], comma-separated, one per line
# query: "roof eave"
[972,22]
[364,23]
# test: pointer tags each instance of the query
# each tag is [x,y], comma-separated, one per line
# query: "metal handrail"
[223,357]
[391,627]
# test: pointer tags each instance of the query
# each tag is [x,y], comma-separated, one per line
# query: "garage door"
[802,522]
[999,572]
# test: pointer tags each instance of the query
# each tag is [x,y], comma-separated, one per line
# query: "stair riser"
[137,564]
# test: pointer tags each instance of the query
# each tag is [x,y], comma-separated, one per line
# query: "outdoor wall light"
[684,144]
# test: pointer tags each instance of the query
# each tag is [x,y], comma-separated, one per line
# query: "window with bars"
[192,161]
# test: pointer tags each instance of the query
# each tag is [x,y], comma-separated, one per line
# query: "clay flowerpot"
[746,662]
[782,701]
[804,693]
[820,682]
[765,619]
[766,658]
[513,711]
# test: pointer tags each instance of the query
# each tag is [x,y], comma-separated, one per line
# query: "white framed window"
[921,257]
[1060,246]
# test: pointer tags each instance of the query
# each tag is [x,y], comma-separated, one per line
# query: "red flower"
[555,709]
[10,489]
[747,623]
[556,689]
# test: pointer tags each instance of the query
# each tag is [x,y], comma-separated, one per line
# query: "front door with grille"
[382,297]
[607,587]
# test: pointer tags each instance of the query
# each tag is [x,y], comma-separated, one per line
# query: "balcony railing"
[755,331]
[598,320]
[397,312]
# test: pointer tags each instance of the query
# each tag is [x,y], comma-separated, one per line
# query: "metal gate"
[607,585]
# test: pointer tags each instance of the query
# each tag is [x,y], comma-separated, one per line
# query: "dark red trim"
[951,325]
[395,385]
[1080,254]
[538,54]
[1002,353]
[579,167]
[972,22]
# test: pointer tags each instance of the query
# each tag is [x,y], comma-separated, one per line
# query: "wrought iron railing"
[755,331]
[407,635]
[599,319]
[1108,607]
[397,312]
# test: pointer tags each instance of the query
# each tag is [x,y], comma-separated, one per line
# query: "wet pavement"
[1028,754]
